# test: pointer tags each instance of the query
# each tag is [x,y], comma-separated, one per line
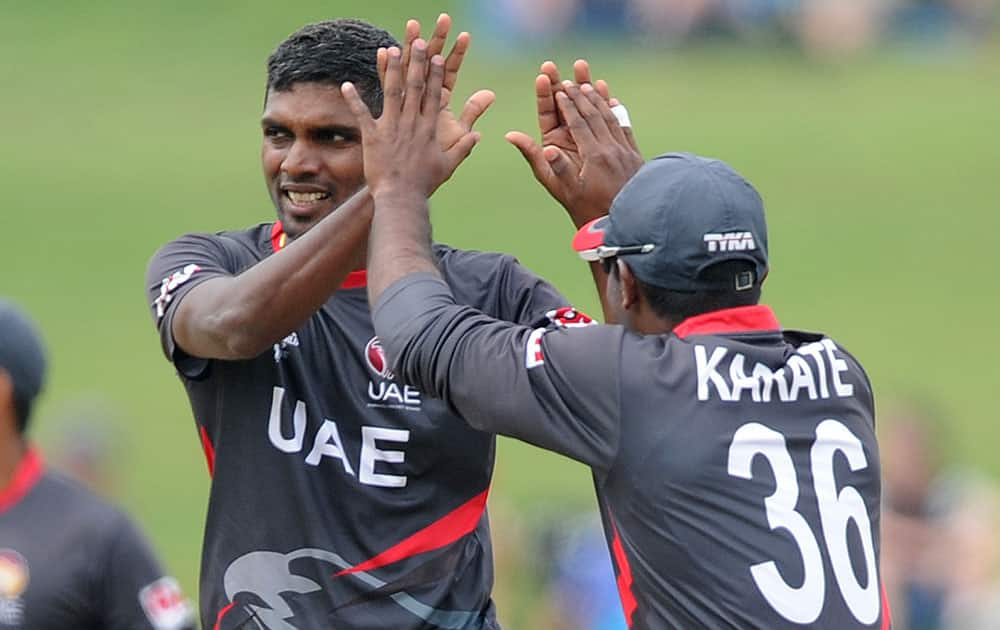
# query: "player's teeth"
[309,197]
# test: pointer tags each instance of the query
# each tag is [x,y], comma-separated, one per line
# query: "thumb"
[558,162]
[532,153]
[461,149]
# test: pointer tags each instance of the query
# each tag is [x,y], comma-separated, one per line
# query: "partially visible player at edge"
[68,559]
[340,497]
[735,463]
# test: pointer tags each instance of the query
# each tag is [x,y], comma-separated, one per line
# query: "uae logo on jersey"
[375,357]
[14,578]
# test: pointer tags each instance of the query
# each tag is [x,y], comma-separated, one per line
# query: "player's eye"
[276,133]
[333,137]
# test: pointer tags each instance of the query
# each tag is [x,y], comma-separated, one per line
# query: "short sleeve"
[555,387]
[174,270]
[135,592]
[500,286]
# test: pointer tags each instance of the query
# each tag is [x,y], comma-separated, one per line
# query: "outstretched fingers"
[548,113]
[453,63]
[578,126]
[432,94]
[600,106]
[392,86]
[362,114]
[415,79]
[475,107]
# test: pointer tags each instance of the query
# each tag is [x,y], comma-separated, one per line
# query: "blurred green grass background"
[128,124]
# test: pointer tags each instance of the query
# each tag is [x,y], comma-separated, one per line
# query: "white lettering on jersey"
[328,443]
[798,378]
[294,443]
[730,242]
[391,393]
[170,284]
[371,453]
[165,606]
[533,356]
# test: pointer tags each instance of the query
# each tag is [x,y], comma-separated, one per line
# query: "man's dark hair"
[677,306]
[331,52]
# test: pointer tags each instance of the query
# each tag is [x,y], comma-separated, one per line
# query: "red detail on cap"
[590,235]
[222,613]
[756,318]
[624,580]
[29,470]
[354,280]
[440,533]
[206,445]
[886,614]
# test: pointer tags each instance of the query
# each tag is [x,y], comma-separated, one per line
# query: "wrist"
[395,195]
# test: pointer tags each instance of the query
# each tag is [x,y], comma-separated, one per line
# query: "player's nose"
[300,160]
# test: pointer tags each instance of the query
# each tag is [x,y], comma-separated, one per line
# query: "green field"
[129,124]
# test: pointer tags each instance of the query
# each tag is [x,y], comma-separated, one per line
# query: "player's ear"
[8,411]
[629,295]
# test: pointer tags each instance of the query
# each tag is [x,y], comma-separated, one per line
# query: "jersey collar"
[756,318]
[26,475]
[354,280]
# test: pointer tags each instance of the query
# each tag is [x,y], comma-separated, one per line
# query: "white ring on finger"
[622,115]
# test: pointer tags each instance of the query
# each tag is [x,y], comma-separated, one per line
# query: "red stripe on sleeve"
[624,580]
[440,533]
[886,614]
[206,445]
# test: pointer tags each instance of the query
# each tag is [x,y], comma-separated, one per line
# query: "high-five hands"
[450,128]
[402,153]
[585,156]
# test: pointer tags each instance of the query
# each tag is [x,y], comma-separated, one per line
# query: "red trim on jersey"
[222,613]
[354,280]
[206,445]
[754,318]
[440,533]
[29,470]
[886,613]
[624,579]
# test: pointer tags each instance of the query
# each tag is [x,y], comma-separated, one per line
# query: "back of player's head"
[331,52]
[691,230]
[22,358]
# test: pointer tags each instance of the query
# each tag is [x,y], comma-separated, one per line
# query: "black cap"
[679,215]
[21,353]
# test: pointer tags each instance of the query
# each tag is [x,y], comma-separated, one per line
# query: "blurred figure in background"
[581,591]
[940,555]
[67,558]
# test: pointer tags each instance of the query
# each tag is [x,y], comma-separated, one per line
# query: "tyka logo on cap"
[730,242]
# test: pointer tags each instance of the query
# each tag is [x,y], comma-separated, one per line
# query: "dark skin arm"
[402,160]
[582,165]
[240,317]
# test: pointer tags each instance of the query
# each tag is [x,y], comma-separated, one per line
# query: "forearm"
[241,316]
[400,240]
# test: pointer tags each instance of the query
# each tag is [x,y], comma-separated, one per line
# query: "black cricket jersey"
[70,560]
[735,464]
[340,497]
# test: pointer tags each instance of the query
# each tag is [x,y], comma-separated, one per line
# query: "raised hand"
[451,128]
[402,153]
[585,155]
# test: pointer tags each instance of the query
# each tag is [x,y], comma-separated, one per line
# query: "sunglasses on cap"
[602,252]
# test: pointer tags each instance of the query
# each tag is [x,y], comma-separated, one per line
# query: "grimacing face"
[310,153]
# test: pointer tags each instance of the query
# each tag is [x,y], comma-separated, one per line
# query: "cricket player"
[340,497]
[735,462]
[68,559]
